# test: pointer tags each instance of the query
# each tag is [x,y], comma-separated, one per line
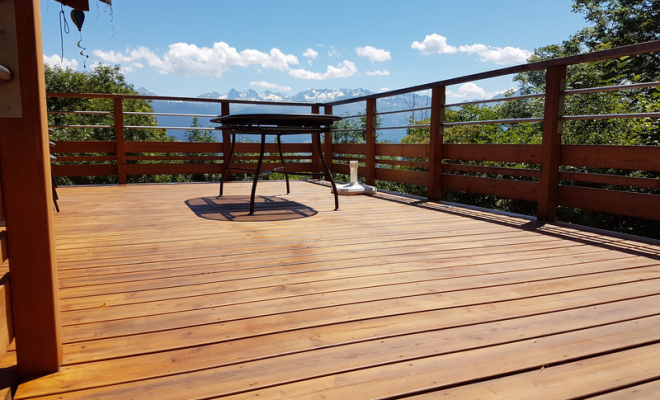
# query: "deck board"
[166,294]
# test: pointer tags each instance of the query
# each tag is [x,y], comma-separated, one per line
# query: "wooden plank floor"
[170,293]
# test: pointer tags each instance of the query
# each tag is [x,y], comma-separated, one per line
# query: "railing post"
[551,146]
[316,157]
[327,142]
[370,153]
[436,140]
[119,140]
[226,144]
[27,195]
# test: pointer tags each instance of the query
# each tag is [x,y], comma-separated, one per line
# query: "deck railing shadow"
[629,244]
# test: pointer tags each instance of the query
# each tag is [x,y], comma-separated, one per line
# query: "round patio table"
[277,125]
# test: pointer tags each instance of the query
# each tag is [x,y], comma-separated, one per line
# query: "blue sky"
[186,48]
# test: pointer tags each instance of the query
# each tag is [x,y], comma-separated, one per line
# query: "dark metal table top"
[281,124]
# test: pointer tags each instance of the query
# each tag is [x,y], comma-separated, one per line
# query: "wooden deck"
[169,293]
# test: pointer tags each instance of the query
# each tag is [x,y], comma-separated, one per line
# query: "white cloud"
[189,59]
[434,44]
[437,44]
[57,61]
[378,73]
[373,53]
[343,70]
[268,85]
[311,53]
[471,91]
[498,55]
[111,57]
[333,52]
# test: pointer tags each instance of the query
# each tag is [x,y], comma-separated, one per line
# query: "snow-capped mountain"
[393,103]
[145,92]
[309,96]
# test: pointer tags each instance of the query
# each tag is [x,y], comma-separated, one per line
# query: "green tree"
[615,23]
[352,130]
[198,135]
[204,136]
[619,23]
[104,79]
[67,111]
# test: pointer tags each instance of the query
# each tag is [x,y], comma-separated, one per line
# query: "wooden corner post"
[119,140]
[551,146]
[26,187]
[316,156]
[226,144]
[327,142]
[370,153]
[436,141]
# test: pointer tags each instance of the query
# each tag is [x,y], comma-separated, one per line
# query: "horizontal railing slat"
[516,153]
[511,189]
[79,146]
[402,176]
[85,170]
[643,158]
[647,183]
[402,150]
[639,205]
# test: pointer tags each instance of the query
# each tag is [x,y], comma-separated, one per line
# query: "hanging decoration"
[64,28]
[78,18]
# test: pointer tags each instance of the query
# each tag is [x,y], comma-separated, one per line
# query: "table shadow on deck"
[237,208]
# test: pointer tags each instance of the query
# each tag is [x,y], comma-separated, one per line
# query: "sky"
[187,48]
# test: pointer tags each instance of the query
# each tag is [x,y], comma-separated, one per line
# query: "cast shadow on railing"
[633,245]
[237,208]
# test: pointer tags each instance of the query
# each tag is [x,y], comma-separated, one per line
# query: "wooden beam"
[316,157]
[643,158]
[436,142]
[226,143]
[327,142]
[639,205]
[25,165]
[551,146]
[371,142]
[518,153]
[521,190]
[119,138]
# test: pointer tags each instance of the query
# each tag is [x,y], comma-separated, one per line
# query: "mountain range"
[393,103]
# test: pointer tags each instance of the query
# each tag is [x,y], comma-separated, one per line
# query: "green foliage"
[198,135]
[352,130]
[205,136]
[513,133]
[615,23]
[104,79]
[619,23]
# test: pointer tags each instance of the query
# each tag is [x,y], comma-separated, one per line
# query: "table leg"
[329,174]
[286,176]
[256,175]
[227,167]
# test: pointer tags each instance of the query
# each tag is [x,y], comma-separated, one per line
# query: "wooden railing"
[546,177]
